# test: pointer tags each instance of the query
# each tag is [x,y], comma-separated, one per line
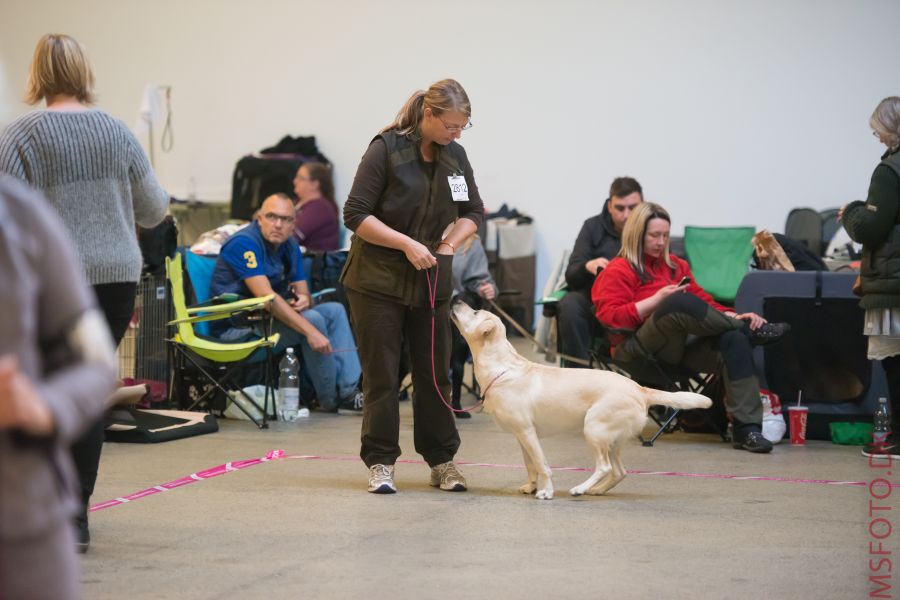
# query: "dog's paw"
[576,491]
[544,494]
[528,488]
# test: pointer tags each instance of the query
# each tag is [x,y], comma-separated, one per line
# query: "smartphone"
[684,281]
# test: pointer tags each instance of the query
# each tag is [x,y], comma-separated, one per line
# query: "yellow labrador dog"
[531,401]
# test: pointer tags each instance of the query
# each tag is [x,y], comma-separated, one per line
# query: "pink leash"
[432,296]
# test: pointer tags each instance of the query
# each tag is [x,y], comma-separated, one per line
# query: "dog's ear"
[486,328]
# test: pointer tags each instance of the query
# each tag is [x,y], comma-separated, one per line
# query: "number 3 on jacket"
[250,257]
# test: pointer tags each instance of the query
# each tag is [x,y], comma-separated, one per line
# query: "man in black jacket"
[598,241]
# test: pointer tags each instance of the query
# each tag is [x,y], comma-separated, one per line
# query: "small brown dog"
[531,400]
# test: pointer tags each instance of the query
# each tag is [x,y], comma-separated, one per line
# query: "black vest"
[880,268]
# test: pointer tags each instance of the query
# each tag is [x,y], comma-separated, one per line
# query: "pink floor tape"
[231,467]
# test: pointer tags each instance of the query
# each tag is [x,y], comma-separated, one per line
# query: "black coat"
[597,238]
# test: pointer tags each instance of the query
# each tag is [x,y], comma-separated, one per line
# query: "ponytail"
[409,116]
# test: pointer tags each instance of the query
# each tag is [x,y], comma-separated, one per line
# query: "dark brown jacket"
[393,184]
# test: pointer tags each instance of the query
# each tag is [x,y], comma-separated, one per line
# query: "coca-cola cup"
[798,415]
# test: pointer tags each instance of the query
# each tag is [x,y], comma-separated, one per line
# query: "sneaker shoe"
[353,403]
[885,450]
[753,442]
[447,477]
[768,333]
[381,479]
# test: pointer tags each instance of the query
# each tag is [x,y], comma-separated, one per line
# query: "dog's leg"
[597,436]
[617,475]
[531,486]
[602,470]
[528,439]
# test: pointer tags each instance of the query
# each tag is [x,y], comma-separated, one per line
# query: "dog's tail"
[677,399]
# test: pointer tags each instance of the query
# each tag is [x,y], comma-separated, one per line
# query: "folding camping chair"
[719,257]
[209,355]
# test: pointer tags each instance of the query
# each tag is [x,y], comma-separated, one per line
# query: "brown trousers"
[381,326]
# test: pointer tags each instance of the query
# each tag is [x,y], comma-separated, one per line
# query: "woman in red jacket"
[648,290]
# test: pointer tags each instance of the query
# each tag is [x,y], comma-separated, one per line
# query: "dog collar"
[493,381]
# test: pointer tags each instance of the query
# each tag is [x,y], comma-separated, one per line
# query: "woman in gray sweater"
[98,179]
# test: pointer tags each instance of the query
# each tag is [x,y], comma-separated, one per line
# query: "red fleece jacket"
[619,288]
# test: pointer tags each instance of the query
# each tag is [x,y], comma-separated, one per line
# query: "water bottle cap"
[289,351]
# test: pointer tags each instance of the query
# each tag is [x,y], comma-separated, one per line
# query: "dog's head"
[477,326]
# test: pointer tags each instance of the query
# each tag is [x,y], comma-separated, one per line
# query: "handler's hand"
[20,405]
[486,291]
[301,303]
[419,256]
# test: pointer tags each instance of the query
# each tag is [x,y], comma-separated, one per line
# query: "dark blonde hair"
[60,66]
[633,235]
[443,95]
[886,120]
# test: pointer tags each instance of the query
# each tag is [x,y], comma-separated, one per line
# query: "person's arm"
[613,295]
[78,354]
[150,200]
[870,222]
[578,276]
[12,154]
[477,277]
[315,219]
[259,286]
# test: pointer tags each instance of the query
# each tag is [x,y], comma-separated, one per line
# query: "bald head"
[276,218]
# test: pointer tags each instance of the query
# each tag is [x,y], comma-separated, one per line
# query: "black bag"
[156,244]
[800,256]
[324,271]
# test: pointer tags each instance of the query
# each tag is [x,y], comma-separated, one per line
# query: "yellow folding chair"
[208,354]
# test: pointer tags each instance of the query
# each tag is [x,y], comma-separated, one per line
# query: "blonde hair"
[886,120]
[60,66]
[633,235]
[443,95]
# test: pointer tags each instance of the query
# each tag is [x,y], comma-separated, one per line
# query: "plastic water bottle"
[881,422]
[289,386]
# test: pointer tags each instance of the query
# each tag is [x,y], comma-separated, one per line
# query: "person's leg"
[576,326]
[116,301]
[891,366]
[434,426]
[731,355]
[321,368]
[40,567]
[341,337]
[664,334]
[379,326]
[458,354]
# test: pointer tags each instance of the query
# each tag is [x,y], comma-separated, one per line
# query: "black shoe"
[353,403]
[82,534]
[768,333]
[753,442]
[886,450]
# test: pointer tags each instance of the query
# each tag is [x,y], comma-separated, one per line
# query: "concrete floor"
[306,528]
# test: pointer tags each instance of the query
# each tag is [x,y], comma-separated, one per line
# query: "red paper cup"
[798,415]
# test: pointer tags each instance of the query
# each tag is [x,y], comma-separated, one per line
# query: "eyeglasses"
[455,128]
[273,218]
[302,178]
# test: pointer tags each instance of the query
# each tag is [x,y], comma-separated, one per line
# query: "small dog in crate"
[532,401]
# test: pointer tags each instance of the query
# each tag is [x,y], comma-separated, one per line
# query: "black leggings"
[891,366]
[116,301]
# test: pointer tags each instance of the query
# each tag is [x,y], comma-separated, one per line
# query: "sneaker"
[354,402]
[768,333]
[885,450]
[381,479]
[753,442]
[447,477]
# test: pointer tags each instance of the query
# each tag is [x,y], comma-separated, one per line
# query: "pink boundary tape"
[231,467]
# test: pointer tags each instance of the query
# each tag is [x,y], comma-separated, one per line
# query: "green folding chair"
[719,257]
[208,354]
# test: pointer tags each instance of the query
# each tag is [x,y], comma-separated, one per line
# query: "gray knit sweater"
[95,174]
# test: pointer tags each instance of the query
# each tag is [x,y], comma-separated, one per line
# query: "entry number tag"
[459,188]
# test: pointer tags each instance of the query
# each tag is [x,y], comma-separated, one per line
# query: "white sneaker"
[447,477]
[381,479]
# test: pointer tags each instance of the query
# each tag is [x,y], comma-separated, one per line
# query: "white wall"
[727,111]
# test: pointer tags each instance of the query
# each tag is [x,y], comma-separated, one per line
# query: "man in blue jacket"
[263,258]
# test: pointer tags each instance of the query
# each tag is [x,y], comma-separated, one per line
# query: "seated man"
[597,243]
[263,258]
[472,282]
